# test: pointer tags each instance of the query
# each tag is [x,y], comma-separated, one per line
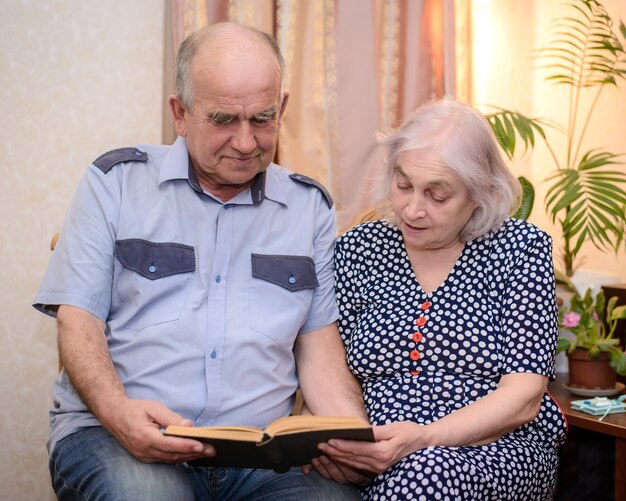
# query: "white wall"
[77,78]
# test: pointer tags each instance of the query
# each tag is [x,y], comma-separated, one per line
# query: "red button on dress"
[415,355]
[417,337]
[421,322]
[426,305]
[415,373]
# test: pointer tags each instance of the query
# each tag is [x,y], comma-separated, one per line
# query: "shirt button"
[218,279]
[421,322]
[292,280]
[151,268]
[213,354]
[426,305]
[415,355]
[417,337]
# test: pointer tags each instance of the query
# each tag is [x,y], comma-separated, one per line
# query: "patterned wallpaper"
[76,79]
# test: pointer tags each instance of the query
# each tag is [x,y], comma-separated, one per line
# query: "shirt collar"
[267,184]
[275,185]
[176,165]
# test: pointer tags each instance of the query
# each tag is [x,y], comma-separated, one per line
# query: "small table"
[613,425]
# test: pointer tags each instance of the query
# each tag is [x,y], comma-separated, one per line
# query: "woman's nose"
[415,208]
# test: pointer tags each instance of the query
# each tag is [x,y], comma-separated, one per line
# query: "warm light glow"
[483,46]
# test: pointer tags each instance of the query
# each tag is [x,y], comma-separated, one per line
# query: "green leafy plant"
[592,321]
[586,196]
[508,126]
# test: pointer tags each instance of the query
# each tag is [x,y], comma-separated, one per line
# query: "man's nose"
[243,139]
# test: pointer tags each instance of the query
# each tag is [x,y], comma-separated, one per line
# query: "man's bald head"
[222,39]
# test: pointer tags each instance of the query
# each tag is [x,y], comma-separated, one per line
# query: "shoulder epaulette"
[299,178]
[108,160]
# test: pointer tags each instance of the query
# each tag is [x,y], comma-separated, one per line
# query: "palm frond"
[595,158]
[508,126]
[592,198]
[528,199]
[583,49]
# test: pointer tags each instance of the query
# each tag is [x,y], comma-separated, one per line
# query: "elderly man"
[188,282]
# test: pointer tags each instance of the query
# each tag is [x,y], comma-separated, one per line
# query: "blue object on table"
[600,406]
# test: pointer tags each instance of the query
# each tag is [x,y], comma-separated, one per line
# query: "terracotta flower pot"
[590,372]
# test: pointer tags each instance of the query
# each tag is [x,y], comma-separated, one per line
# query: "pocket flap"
[294,273]
[155,260]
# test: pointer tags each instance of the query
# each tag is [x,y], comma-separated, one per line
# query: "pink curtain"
[354,69]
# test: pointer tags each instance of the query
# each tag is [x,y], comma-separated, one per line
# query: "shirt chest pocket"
[280,295]
[153,282]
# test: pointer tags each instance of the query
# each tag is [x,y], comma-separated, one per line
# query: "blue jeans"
[92,465]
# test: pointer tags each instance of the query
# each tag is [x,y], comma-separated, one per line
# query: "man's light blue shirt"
[202,300]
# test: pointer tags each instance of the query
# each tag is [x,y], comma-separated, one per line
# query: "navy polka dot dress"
[422,356]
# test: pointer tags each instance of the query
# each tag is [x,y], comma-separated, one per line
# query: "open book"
[286,442]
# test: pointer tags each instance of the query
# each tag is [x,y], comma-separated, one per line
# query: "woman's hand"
[515,402]
[393,442]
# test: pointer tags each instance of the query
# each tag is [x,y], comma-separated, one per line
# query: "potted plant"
[594,356]
[586,196]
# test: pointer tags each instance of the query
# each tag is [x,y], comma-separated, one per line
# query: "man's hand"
[340,473]
[137,425]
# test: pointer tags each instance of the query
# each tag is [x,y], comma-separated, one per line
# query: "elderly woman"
[448,314]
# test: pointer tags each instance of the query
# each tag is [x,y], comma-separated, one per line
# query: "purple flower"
[571,319]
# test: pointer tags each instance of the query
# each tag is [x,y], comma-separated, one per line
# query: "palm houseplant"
[586,191]
[586,196]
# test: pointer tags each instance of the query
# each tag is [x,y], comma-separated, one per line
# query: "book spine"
[274,453]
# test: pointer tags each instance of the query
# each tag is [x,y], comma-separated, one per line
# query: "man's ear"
[178,114]
[283,105]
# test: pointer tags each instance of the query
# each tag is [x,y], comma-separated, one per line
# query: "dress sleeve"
[347,271]
[529,313]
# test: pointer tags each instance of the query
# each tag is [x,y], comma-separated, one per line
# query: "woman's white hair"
[462,138]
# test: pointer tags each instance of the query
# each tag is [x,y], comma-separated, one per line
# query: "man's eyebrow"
[219,116]
[267,114]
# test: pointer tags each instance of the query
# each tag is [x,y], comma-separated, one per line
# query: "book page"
[296,424]
[243,433]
